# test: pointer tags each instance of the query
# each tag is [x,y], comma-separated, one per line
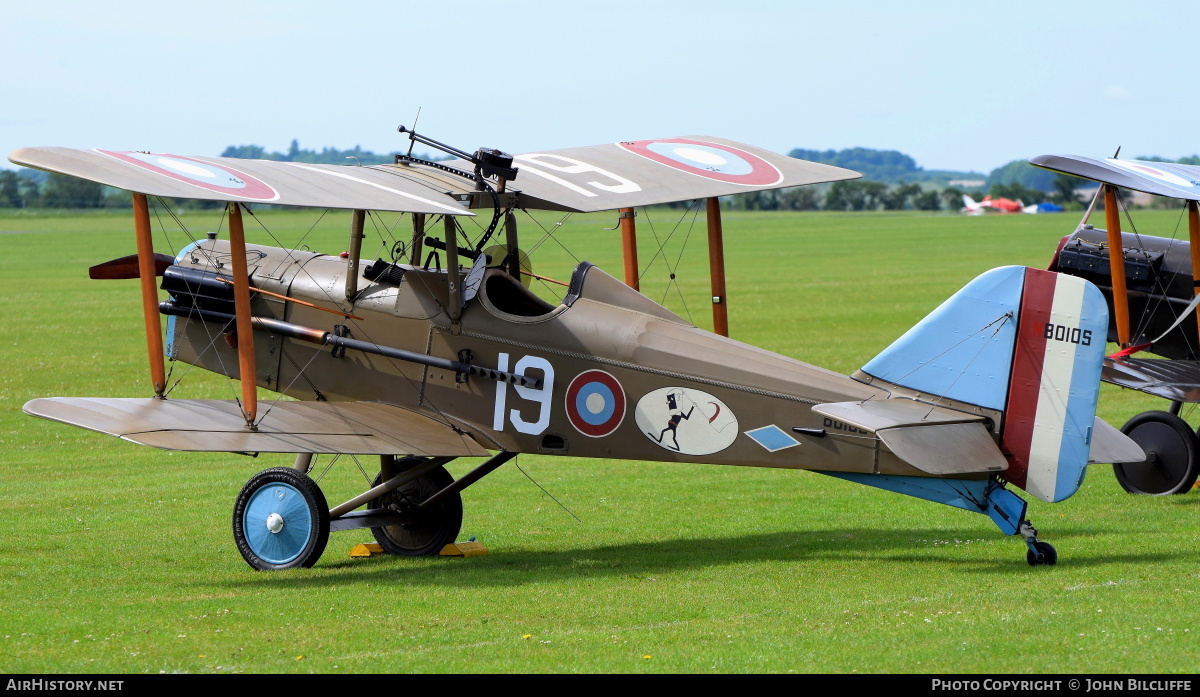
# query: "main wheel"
[1045,555]
[280,520]
[1172,454]
[427,532]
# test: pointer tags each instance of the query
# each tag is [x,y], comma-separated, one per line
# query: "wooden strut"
[146,272]
[247,371]
[1193,209]
[452,271]
[418,225]
[629,247]
[1116,265]
[354,254]
[716,267]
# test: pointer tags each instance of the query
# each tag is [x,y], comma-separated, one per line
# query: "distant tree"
[31,192]
[1023,173]
[248,152]
[1064,189]
[71,192]
[117,198]
[855,195]
[327,156]
[876,165]
[952,196]
[1017,192]
[899,196]
[800,198]
[927,200]
[10,189]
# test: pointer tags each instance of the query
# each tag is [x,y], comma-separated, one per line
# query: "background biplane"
[421,359]
[1151,290]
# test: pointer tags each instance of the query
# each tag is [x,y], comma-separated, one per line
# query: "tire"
[1172,451]
[1046,555]
[428,532]
[280,520]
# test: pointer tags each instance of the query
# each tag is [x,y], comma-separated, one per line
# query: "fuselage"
[621,376]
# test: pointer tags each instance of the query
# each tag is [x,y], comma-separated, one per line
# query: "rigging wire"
[1161,287]
[547,493]
[693,207]
[156,203]
[356,325]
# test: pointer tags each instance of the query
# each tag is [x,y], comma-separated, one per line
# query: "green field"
[118,558]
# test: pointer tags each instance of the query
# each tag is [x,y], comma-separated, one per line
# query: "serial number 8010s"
[1073,335]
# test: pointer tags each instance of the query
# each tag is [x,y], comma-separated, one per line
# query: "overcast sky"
[957,85]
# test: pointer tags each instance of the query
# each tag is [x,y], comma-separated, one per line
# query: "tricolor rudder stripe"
[1054,384]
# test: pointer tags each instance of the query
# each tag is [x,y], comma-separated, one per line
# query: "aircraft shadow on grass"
[644,560]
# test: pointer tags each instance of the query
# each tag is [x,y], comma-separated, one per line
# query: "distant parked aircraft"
[1005,205]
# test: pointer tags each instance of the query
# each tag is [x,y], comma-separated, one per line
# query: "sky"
[956,85]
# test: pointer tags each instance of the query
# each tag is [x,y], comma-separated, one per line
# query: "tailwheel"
[1042,554]
[280,520]
[1172,453]
[425,532]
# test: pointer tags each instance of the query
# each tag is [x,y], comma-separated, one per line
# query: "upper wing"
[594,178]
[203,425]
[251,181]
[1158,178]
[646,172]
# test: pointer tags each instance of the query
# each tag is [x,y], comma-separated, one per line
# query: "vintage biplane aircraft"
[1151,290]
[420,363]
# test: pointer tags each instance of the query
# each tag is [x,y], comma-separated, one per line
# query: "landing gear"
[1172,455]
[1040,553]
[426,531]
[280,520]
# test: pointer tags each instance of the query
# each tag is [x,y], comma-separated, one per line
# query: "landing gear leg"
[1040,553]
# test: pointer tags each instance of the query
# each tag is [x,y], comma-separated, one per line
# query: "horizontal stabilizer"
[1157,178]
[204,425]
[878,414]
[933,439]
[1110,446]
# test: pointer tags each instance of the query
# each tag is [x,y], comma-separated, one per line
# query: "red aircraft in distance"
[1000,205]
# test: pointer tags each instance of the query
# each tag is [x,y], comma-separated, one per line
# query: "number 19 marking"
[541,397]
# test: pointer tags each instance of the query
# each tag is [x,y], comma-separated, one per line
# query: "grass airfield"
[119,559]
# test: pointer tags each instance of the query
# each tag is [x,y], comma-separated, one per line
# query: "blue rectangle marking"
[772,437]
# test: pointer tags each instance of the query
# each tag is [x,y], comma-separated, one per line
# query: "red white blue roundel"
[1151,169]
[595,403]
[709,160]
[206,175]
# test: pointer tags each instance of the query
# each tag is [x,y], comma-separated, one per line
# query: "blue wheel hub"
[278,523]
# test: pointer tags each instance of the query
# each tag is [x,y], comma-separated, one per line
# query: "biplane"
[1151,290]
[420,362]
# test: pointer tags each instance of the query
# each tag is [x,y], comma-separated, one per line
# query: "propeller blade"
[127,267]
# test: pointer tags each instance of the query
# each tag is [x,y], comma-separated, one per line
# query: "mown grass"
[117,558]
